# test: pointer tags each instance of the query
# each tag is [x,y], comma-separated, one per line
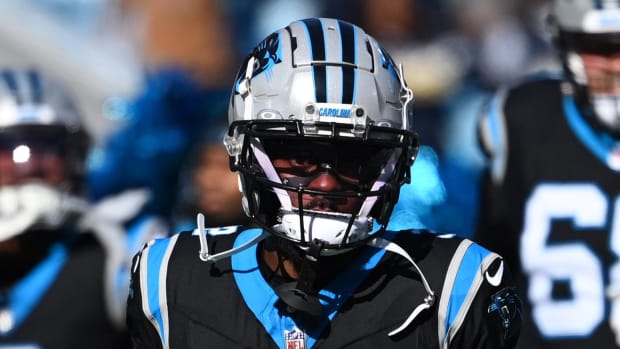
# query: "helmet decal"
[266,55]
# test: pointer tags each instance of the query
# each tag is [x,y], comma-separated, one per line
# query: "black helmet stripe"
[347,34]
[25,87]
[317,41]
[36,90]
[10,84]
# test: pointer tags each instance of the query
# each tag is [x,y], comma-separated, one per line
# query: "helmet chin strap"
[607,109]
[325,226]
[301,295]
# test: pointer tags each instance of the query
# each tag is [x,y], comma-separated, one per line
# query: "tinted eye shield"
[241,132]
[593,43]
[304,179]
[354,166]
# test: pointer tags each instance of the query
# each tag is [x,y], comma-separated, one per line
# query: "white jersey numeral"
[585,206]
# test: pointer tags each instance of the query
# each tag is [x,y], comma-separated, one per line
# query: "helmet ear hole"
[263,206]
[269,206]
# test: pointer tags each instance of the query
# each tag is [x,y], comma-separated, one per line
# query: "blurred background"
[103,48]
[137,68]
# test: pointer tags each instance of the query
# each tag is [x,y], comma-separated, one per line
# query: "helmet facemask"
[282,174]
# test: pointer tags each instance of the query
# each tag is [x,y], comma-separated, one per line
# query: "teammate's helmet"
[42,151]
[591,27]
[326,95]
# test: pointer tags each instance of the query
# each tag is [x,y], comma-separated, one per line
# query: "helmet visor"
[598,43]
[325,176]
[27,157]
[355,165]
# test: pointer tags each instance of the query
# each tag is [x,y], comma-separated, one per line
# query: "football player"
[550,202]
[57,277]
[321,136]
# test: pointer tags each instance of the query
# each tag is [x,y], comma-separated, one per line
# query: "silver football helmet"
[590,27]
[42,152]
[317,97]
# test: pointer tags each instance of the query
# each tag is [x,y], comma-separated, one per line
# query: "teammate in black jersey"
[57,282]
[322,139]
[551,200]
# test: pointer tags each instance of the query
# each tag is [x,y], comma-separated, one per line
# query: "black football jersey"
[60,304]
[551,207]
[178,301]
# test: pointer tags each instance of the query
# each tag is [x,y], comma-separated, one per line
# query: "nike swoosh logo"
[496,279]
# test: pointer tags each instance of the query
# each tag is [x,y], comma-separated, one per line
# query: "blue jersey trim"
[29,291]
[155,259]
[601,145]
[468,269]
[261,298]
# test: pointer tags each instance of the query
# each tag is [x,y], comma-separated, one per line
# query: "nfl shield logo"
[613,159]
[295,339]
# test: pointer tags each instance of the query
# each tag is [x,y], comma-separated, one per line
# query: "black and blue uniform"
[551,207]
[178,301]
[60,303]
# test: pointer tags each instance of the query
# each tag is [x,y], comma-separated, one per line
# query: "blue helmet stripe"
[36,89]
[598,4]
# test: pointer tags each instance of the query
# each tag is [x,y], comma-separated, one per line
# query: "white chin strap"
[607,109]
[24,205]
[606,106]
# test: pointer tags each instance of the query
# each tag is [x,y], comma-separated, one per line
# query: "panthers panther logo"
[266,55]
